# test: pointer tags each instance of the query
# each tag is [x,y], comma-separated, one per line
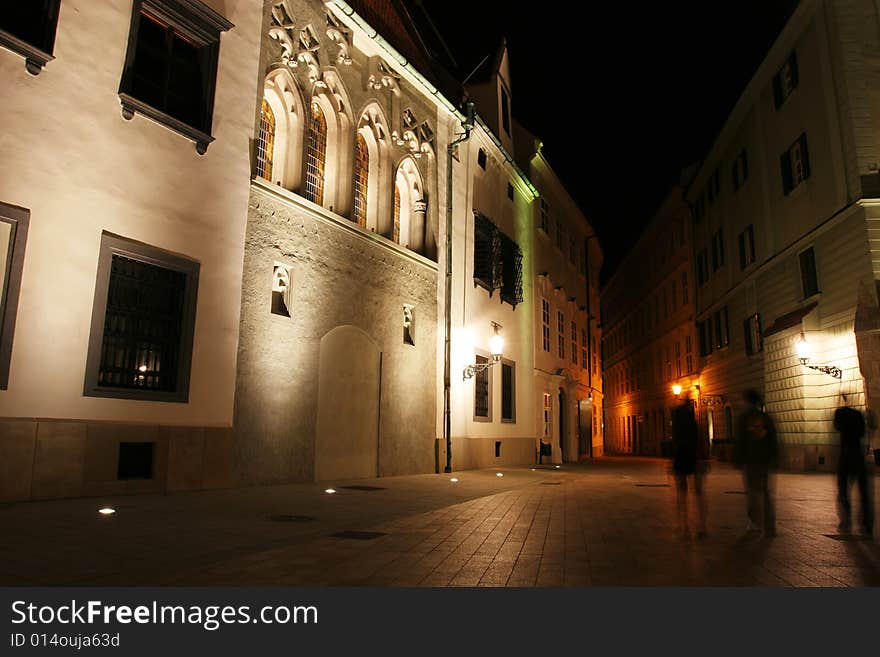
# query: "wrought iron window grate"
[142,326]
[361,176]
[497,260]
[266,142]
[316,156]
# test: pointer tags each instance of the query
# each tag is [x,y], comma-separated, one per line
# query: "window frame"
[818,288]
[199,24]
[36,55]
[18,218]
[111,245]
[512,365]
[479,353]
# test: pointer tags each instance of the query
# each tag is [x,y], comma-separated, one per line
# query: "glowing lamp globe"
[496,346]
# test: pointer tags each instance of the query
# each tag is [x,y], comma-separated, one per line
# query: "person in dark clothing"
[851,465]
[688,461]
[756,452]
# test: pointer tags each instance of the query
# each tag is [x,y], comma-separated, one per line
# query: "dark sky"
[623,95]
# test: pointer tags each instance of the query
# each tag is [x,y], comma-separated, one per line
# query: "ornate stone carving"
[382,77]
[341,36]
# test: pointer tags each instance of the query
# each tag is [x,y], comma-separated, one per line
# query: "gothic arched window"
[361,178]
[266,141]
[317,154]
[396,230]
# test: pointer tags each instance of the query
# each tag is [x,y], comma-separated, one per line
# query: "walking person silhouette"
[687,461]
[850,423]
[757,452]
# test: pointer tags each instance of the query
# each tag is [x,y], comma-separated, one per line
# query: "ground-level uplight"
[454,480]
[329,491]
[558,466]
[499,474]
[107,511]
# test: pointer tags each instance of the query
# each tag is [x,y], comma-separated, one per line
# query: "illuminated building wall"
[567,362]
[783,208]
[648,326]
[492,261]
[343,384]
[82,173]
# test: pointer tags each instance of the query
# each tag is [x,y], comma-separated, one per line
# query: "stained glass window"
[361,176]
[316,156]
[266,141]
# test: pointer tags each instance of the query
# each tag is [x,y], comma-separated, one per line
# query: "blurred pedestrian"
[687,461]
[756,451]
[851,465]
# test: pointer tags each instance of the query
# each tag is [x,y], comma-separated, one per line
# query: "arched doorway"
[347,431]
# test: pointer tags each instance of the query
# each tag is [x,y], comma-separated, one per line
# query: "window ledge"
[132,106]
[35,59]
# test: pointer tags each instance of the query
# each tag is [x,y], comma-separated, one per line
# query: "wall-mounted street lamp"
[805,352]
[496,347]
[676,390]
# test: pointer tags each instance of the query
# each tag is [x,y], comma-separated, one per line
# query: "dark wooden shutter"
[785,164]
[777,90]
[805,156]
[792,64]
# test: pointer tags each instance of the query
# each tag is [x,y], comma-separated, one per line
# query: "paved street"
[606,523]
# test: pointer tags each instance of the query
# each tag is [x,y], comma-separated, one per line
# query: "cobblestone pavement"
[605,523]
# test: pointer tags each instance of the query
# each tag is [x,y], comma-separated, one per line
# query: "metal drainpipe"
[468,125]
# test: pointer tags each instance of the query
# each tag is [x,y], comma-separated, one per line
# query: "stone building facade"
[121,317]
[784,208]
[650,339]
[248,287]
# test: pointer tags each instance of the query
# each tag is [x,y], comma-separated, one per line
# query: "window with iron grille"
[481,390]
[361,176]
[573,355]
[560,329]
[142,323]
[688,356]
[316,156]
[266,141]
[171,65]
[508,391]
[497,261]
[677,358]
[511,271]
[545,324]
[28,28]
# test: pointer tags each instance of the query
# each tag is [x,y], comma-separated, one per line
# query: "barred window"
[497,261]
[316,156]
[361,176]
[142,323]
[688,355]
[545,324]
[266,141]
[574,345]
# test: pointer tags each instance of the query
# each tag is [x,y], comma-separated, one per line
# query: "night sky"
[623,95]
